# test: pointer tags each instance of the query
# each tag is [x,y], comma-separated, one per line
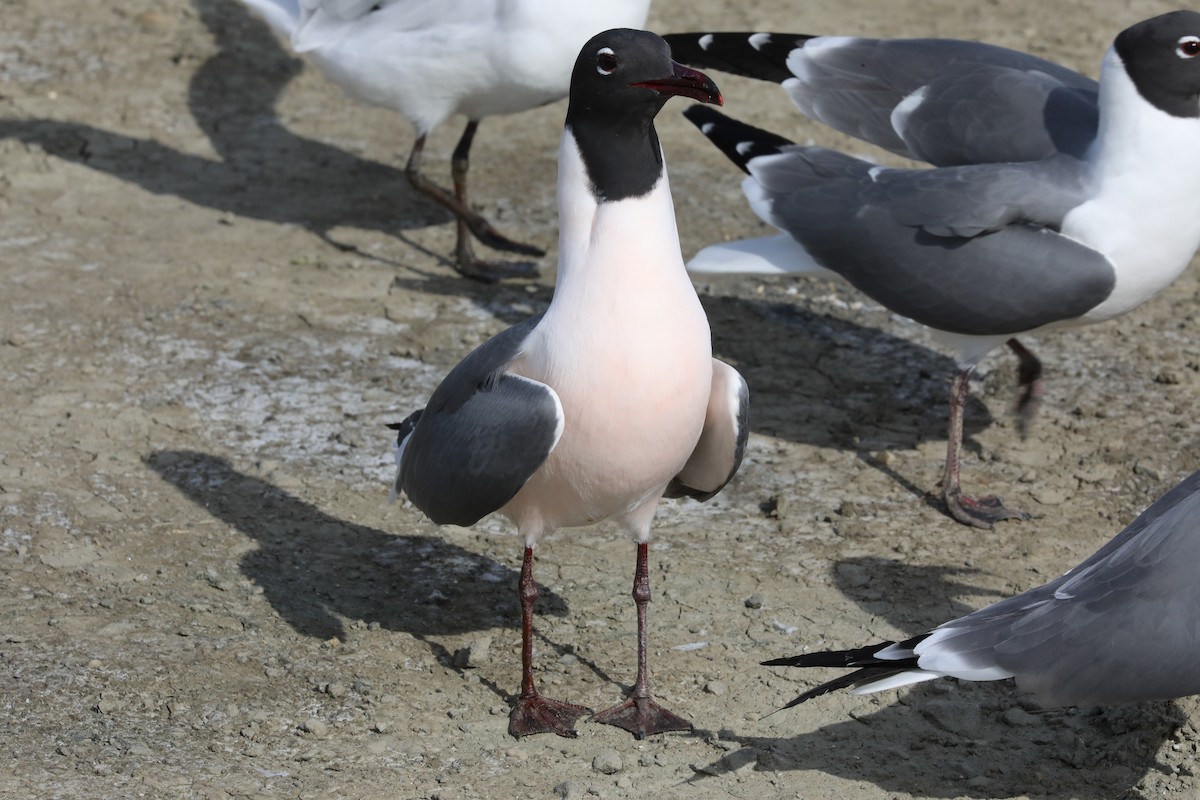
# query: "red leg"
[534,713]
[640,714]
[979,512]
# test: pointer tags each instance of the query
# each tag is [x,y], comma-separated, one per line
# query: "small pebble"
[475,654]
[607,762]
[755,600]
[315,726]
[953,717]
[715,688]
[569,790]
[1018,717]
[1146,470]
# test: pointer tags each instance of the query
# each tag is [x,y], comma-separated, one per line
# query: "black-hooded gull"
[1121,627]
[431,59]
[1100,216]
[611,398]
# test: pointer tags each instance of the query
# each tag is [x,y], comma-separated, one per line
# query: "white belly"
[633,404]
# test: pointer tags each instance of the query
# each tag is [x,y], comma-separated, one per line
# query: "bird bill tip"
[686,82]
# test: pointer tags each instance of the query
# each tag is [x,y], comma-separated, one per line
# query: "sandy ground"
[217,288]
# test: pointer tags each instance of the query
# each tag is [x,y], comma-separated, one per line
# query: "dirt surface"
[217,288]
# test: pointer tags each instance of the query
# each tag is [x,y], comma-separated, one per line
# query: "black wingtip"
[841,682]
[785,661]
[858,657]
[738,141]
[853,679]
[869,667]
[405,426]
[762,56]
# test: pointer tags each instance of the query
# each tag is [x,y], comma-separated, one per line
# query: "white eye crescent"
[1188,47]
[606,61]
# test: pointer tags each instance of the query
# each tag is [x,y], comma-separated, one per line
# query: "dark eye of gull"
[1188,47]
[606,61]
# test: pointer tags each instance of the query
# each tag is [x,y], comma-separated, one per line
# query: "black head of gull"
[1162,57]
[621,81]
[608,401]
[983,251]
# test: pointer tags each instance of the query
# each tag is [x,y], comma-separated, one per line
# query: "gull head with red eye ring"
[618,60]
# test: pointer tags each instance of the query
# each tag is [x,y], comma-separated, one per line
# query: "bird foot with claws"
[538,714]
[981,512]
[469,266]
[642,717]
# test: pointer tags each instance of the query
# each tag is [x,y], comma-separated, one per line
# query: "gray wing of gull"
[1123,626]
[970,250]
[482,435]
[722,443]
[944,101]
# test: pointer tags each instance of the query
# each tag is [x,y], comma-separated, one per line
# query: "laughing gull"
[429,60]
[611,398]
[982,252]
[1118,628]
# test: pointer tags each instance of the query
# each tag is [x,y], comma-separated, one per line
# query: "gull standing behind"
[1101,217]
[611,398]
[431,59]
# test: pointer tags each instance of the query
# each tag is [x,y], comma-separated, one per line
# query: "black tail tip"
[786,661]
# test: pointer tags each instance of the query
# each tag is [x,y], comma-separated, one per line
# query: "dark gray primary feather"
[969,250]
[481,437]
[982,103]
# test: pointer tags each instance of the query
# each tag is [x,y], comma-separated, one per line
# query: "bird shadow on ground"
[820,380]
[943,740]
[913,598]
[316,569]
[265,171]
